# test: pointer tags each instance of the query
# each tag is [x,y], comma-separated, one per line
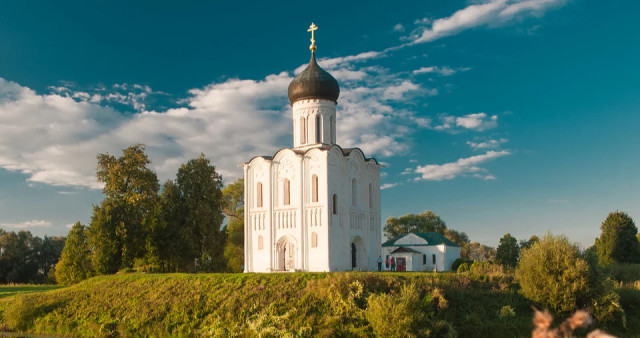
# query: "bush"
[456,264]
[553,274]
[404,314]
[393,315]
[506,312]
[464,267]
[21,314]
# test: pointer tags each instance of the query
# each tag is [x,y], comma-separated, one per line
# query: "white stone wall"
[309,109]
[297,222]
[445,256]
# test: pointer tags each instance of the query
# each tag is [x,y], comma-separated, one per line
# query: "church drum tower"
[316,206]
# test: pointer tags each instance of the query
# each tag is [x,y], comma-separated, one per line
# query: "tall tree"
[426,221]
[120,224]
[166,241]
[75,262]
[618,241]
[508,251]
[48,254]
[199,187]
[16,257]
[233,195]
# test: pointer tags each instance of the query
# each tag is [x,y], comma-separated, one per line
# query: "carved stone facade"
[314,207]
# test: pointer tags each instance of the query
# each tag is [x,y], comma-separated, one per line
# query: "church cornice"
[346,152]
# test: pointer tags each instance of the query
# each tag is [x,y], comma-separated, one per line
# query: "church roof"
[431,238]
[314,83]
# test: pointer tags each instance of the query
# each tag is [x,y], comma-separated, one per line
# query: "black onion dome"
[314,83]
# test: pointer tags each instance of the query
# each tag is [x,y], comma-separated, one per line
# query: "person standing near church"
[393,264]
[379,263]
[386,263]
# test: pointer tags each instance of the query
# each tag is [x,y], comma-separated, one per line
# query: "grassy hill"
[298,304]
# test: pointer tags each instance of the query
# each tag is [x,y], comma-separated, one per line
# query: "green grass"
[12,290]
[278,304]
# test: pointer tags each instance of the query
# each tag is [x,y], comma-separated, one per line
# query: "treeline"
[176,228]
[25,258]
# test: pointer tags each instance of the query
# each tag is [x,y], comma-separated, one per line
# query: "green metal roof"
[432,238]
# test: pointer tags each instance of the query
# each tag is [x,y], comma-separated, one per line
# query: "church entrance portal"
[358,257]
[286,254]
[354,256]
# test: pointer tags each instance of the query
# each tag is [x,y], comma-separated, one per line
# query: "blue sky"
[500,116]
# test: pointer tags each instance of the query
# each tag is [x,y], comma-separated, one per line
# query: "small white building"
[316,206]
[420,251]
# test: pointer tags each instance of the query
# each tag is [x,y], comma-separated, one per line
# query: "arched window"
[318,128]
[314,240]
[354,189]
[260,245]
[314,188]
[303,131]
[259,195]
[335,204]
[332,125]
[370,196]
[287,192]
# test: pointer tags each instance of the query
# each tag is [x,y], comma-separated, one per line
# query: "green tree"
[233,207]
[48,255]
[529,243]
[555,275]
[508,251]
[191,211]
[119,226]
[164,242]
[426,221]
[618,241]
[18,258]
[75,262]
[478,252]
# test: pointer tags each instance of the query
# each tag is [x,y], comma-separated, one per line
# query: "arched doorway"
[354,256]
[286,252]
[358,256]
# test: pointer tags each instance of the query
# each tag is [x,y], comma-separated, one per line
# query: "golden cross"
[311,29]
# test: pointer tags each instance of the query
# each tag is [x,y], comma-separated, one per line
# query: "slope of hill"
[299,304]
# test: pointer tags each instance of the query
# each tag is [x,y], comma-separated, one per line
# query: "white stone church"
[316,206]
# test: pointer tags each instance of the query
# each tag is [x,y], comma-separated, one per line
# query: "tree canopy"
[75,261]
[119,225]
[25,258]
[426,221]
[508,251]
[554,274]
[618,241]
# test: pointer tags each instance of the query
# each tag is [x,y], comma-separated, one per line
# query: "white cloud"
[54,138]
[476,122]
[479,121]
[492,13]
[388,185]
[67,192]
[27,224]
[489,144]
[463,166]
[444,71]
[398,28]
